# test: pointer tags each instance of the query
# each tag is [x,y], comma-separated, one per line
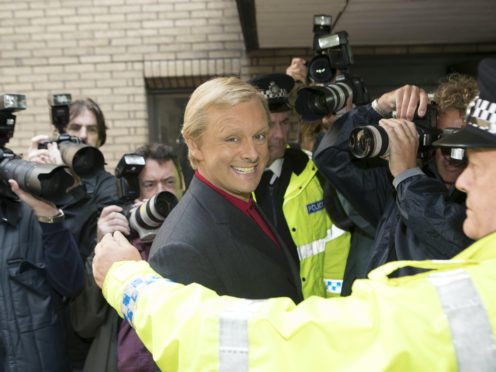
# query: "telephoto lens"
[369,141]
[313,103]
[148,217]
[48,181]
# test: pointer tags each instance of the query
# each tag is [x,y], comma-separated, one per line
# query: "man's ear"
[194,148]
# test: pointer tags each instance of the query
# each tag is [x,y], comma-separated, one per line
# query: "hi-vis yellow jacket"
[440,320]
[322,247]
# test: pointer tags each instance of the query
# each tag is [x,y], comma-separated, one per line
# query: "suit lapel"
[243,230]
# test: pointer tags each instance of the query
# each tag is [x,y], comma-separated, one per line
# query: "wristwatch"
[52,219]
[379,109]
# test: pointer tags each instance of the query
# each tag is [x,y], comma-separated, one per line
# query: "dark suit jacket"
[207,240]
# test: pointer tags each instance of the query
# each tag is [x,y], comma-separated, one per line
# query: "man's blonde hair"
[221,92]
[455,92]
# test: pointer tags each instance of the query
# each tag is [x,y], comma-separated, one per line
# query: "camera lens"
[83,159]
[313,103]
[148,218]
[47,181]
[319,69]
[368,142]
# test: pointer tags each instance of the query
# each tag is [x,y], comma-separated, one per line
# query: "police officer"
[291,195]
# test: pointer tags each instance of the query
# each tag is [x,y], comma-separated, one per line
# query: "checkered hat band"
[279,93]
[482,114]
[132,291]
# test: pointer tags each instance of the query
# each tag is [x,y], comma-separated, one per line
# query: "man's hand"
[111,220]
[298,70]
[50,155]
[403,144]
[112,249]
[405,100]
[39,206]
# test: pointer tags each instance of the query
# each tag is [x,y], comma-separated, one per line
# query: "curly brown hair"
[455,92]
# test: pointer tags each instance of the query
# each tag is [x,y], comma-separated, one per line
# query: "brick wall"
[111,49]
[105,49]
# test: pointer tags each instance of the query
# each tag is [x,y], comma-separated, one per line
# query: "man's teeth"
[244,170]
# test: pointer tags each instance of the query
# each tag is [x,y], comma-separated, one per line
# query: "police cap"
[480,119]
[275,88]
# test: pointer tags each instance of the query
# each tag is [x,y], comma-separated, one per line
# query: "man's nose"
[250,151]
[276,131]
[83,133]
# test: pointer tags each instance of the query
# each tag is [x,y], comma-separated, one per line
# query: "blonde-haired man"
[216,235]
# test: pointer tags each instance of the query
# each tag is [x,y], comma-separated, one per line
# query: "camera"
[313,103]
[80,157]
[126,173]
[332,51]
[147,218]
[329,71]
[370,141]
[47,181]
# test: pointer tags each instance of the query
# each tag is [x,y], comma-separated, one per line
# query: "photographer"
[417,213]
[40,264]
[94,189]
[115,346]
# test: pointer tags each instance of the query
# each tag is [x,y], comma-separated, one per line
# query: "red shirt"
[247,207]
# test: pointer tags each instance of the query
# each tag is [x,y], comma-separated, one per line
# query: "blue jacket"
[40,266]
[421,219]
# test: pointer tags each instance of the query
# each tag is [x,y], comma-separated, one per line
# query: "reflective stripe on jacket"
[440,320]
[322,247]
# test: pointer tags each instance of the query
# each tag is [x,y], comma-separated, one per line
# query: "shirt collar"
[276,166]
[237,202]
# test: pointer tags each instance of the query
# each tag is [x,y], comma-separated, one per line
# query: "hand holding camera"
[41,208]
[403,144]
[49,155]
[298,70]
[405,101]
[111,220]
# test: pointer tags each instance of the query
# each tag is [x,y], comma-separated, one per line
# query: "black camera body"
[126,173]
[61,138]
[333,54]
[47,181]
[370,141]
[148,217]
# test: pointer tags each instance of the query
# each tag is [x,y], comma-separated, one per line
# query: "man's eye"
[232,139]
[74,127]
[260,137]
[92,129]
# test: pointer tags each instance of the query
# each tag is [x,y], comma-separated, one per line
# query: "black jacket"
[83,204]
[207,240]
[420,220]
[40,266]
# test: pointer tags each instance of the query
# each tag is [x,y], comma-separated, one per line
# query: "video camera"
[47,181]
[332,62]
[80,157]
[370,141]
[148,217]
